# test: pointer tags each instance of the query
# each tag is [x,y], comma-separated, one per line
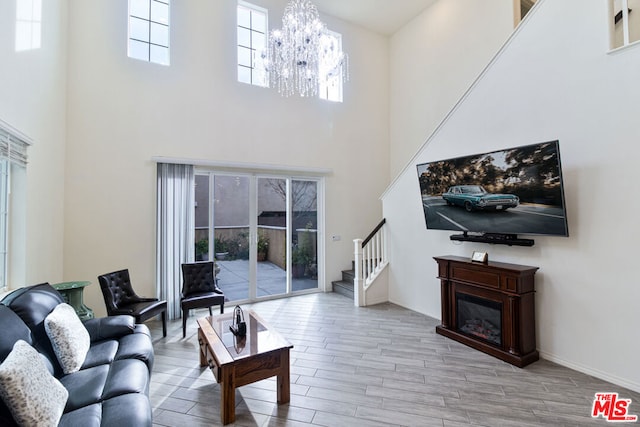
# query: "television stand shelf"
[489,307]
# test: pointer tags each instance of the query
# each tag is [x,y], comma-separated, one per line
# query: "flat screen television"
[493,197]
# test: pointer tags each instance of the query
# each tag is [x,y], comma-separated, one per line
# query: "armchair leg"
[210,313]
[164,323]
[185,313]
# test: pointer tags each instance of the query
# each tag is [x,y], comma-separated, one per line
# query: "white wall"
[433,61]
[32,99]
[554,80]
[122,112]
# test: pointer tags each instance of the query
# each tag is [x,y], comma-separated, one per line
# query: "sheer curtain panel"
[175,222]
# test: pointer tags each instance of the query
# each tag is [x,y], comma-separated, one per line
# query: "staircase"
[345,286]
[370,259]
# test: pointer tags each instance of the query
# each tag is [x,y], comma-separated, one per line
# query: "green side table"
[72,294]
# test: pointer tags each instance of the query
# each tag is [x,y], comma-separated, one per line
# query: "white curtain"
[175,234]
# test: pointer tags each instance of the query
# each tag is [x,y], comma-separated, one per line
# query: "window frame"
[29,24]
[255,172]
[152,39]
[13,154]
[333,89]
[621,33]
[255,77]
[5,192]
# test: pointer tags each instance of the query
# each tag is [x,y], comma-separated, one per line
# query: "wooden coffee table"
[235,361]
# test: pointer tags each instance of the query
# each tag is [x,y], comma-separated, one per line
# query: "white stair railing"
[370,257]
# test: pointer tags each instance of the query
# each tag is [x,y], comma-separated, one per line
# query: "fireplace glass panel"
[479,317]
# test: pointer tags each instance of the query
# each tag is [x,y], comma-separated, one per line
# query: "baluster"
[373,255]
[366,261]
[377,250]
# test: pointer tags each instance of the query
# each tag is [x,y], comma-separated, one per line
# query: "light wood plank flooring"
[375,366]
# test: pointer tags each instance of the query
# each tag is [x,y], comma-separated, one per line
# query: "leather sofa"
[112,386]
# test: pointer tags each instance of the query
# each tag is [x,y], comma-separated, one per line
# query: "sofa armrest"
[110,327]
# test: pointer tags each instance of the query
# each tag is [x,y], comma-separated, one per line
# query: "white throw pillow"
[32,394]
[69,337]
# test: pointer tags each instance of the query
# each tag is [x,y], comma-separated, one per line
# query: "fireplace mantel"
[510,287]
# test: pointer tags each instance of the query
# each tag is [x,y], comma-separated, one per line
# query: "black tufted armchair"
[199,290]
[120,298]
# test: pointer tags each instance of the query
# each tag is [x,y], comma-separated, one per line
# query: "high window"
[624,16]
[252,41]
[525,7]
[149,30]
[331,81]
[28,24]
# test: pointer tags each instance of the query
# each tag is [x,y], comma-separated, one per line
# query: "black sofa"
[112,386]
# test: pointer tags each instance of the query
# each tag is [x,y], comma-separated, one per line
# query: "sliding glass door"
[304,238]
[261,230]
[272,220]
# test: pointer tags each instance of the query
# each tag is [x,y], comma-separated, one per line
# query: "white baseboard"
[378,300]
[593,372]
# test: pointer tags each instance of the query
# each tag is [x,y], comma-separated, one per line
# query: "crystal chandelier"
[303,53]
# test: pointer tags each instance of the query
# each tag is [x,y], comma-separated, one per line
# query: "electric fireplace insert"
[479,317]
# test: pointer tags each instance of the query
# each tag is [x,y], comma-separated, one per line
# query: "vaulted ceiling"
[381,16]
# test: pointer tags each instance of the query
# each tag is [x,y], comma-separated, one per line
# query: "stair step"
[343,287]
[348,275]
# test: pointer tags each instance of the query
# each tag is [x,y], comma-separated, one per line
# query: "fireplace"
[489,307]
[481,318]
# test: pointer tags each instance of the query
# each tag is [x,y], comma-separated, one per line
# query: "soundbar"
[493,238]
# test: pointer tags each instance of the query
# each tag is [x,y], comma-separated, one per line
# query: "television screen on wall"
[508,192]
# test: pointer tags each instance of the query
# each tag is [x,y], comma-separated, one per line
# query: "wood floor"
[375,366]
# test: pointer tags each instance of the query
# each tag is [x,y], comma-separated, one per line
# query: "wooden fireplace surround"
[511,285]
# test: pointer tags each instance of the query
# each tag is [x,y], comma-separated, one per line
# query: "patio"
[233,279]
